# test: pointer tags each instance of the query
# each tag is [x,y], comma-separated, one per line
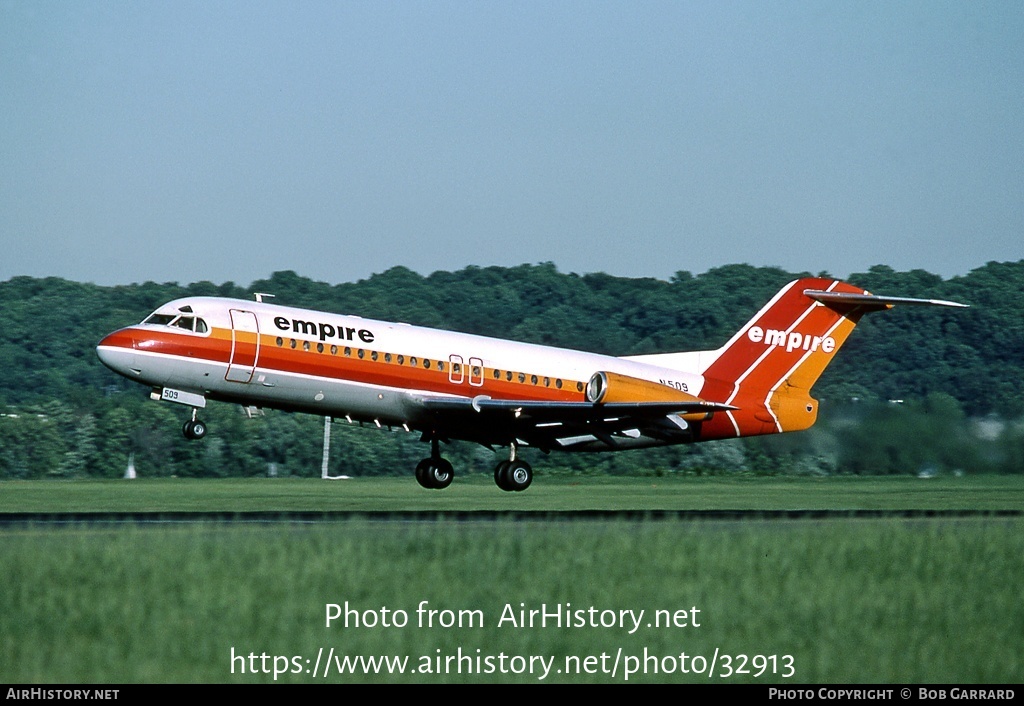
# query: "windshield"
[160,319]
[178,321]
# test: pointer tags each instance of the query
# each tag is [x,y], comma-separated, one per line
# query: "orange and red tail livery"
[768,367]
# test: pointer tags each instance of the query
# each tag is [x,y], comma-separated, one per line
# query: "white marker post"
[327,448]
[327,453]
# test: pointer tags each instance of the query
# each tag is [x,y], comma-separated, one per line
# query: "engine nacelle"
[610,388]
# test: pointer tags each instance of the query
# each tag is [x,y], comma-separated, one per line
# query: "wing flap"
[574,424]
[539,411]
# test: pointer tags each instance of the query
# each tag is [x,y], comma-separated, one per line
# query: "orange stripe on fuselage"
[216,348]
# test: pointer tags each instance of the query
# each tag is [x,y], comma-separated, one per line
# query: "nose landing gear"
[194,428]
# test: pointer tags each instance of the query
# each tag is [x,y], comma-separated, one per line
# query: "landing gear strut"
[194,428]
[513,475]
[434,472]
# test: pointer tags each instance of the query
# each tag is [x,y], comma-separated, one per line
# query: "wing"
[577,426]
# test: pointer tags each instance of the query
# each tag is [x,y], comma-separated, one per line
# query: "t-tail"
[768,368]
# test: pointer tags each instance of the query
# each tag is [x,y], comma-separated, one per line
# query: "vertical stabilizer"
[768,368]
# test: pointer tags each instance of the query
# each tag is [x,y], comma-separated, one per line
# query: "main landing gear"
[434,472]
[513,475]
[194,428]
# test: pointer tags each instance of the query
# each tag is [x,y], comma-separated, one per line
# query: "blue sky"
[181,141]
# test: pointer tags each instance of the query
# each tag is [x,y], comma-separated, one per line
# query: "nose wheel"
[194,428]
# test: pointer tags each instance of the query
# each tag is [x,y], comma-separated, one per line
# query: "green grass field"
[827,601]
[554,493]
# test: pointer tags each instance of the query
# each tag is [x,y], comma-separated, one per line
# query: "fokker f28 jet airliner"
[490,391]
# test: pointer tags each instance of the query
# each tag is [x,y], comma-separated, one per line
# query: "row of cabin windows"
[477,372]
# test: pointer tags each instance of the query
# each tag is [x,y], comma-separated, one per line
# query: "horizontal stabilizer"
[874,300]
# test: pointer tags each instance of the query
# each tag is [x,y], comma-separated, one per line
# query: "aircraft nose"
[117,352]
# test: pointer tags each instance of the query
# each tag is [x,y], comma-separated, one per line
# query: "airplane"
[495,392]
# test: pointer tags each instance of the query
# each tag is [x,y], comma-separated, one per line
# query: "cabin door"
[245,346]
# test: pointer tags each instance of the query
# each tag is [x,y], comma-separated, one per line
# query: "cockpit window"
[185,323]
[159,319]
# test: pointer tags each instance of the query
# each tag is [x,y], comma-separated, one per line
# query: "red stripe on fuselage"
[274,358]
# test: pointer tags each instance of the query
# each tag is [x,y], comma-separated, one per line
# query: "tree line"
[913,390]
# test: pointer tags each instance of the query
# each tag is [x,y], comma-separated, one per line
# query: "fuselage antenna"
[259,296]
